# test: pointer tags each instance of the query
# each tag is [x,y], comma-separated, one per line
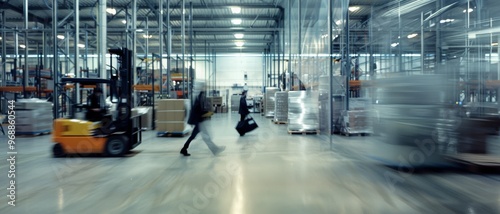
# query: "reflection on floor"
[266,171]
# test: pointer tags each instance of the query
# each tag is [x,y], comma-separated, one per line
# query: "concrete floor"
[266,171]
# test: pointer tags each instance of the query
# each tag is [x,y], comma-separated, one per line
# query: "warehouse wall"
[231,69]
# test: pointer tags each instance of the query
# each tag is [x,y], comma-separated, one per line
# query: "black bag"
[245,126]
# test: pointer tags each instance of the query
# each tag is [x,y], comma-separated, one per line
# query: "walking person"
[243,109]
[197,117]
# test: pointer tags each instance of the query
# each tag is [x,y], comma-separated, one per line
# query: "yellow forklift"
[114,135]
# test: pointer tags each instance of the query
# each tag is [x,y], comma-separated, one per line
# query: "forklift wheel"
[116,146]
[58,150]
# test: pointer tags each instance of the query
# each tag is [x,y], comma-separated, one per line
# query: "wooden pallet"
[171,134]
[304,132]
[280,122]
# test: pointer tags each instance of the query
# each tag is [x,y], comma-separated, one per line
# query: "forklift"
[114,135]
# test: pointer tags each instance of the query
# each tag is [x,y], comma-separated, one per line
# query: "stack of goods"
[270,101]
[33,116]
[281,107]
[303,111]
[171,115]
[358,119]
[217,104]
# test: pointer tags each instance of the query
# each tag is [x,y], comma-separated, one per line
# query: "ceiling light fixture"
[446,20]
[139,30]
[236,10]
[470,10]
[60,36]
[124,21]
[239,44]
[239,35]
[353,8]
[494,44]
[413,35]
[111,11]
[338,22]
[236,21]
[22,46]
[146,36]
[394,44]
[81,45]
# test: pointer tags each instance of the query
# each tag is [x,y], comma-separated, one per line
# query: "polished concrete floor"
[266,171]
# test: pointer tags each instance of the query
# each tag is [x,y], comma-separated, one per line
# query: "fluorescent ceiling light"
[22,46]
[239,35]
[239,44]
[470,10]
[60,36]
[413,35]
[81,45]
[236,21]
[353,8]
[446,20]
[494,44]
[0,38]
[394,44]
[139,30]
[146,36]
[124,21]
[111,11]
[236,10]
[338,22]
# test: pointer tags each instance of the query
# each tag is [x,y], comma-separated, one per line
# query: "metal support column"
[76,63]
[347,55]
[26,46]
[169,49]
[133,24]
[191,51]
[55,96]
[299,43]
[4,51]
[183,47]
[160,52]
[330,71]
[101,39]
[290,75]
[422,51]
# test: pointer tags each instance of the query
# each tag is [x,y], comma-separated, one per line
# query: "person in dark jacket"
[243,109]
[197,117]
[94,110]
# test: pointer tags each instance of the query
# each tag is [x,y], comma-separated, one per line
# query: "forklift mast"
[121,85]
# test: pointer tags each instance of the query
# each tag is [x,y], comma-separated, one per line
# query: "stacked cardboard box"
[357,122]
[171,115]
[33,116]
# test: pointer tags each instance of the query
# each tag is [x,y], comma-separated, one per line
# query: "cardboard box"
[171,104]
[217,100]
[171,115]
[170,126]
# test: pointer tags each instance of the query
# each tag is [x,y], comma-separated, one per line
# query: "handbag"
[246,126]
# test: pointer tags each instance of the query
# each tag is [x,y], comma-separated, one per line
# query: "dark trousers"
[195,132]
